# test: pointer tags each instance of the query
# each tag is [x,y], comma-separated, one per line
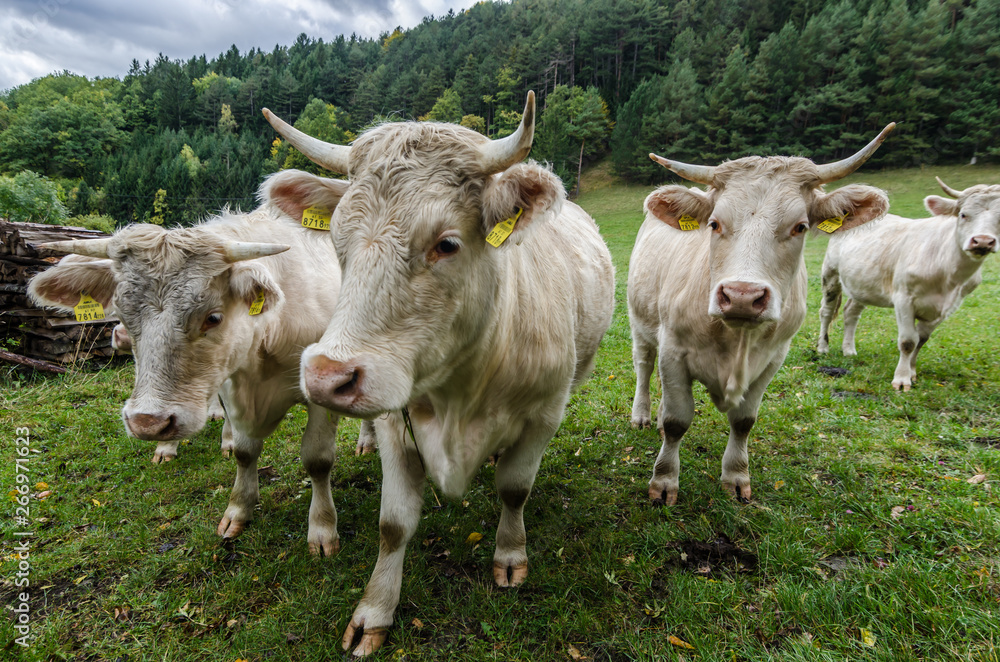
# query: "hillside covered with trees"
[703,80]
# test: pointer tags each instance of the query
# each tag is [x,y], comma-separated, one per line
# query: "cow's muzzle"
[153,427]
[742,302]
[333,384]
[981,245]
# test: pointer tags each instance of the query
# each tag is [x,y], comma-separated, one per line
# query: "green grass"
[804,572]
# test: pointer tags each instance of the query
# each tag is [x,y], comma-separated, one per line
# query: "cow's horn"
[88,247]
[831,172]
[334,158]
[695,173]
[235,251]
[947,189]
[498,155]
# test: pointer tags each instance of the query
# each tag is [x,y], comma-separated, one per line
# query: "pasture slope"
[864,540]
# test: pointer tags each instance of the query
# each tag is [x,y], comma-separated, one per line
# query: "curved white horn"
[88,247]
[947,189]
[235,251]
[831,172]
[498,155]
[334,158]
[695,173]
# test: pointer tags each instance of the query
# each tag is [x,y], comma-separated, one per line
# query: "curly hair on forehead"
[801,171]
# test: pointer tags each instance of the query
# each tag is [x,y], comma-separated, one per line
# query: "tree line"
[698,80]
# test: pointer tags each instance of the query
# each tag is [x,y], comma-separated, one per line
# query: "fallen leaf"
[897,511]
[163,526]
[575,653]
[45,495]
[41,486]
[778,484]
[867,638]
[975,480]
[79,579]
[680,643]
[474,537]
[231,622]
[417,623]
[292,638]
[96,502]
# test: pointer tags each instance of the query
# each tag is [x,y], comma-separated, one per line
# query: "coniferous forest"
[170,141]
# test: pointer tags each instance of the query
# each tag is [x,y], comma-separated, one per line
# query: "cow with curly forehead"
[474,298]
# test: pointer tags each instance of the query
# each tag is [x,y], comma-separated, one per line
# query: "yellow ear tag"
[830,225]
[258,304]
[316,218]
[688,223]
[502,230]
[88,310]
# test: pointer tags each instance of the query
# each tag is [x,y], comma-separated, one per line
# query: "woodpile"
[35,332]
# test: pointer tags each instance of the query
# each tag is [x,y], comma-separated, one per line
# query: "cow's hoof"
[641,422]
[230,528]
[364,640]
[662,497]
[159,457]
[901,385]
[364,449]
[327,547]
[510,575]
[740,493]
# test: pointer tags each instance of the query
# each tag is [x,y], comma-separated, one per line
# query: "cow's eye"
[447,246]
[800,228]
[714,225]
[212,321]
[963,216]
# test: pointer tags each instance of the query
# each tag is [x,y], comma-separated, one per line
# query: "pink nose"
[332,384]
[983,244]
[120,340]
[741,300]
[153,427]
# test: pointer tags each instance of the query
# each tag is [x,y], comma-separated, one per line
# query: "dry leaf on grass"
[897,511]
[417,623]
[474,537]
[575,653]
[680,643]
[867,638]
[975,480]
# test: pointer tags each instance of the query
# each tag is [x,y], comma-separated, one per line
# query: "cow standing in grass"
[225,307]
[477,345]
[717,287]
[922,268]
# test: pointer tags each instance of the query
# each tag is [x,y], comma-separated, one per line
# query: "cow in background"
[224,307]
[717,287]
[473,338]
[921,268]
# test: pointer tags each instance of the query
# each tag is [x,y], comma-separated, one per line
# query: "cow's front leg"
[367,443]
[643,360]
[165,451]
[244,496]
[673,419]
[907,341]
[402,498]
[516,470]
[735,477]
[924,331]
[852,313]
[319,452]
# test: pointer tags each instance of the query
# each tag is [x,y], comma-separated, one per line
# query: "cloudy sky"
[101,37]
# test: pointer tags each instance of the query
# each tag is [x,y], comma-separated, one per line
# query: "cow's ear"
[527,187]
[941,206]
[294,191]
[62,285]
[854,205]
[671,204]
[252,284]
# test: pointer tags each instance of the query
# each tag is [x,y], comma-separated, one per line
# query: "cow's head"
[420,281]
[183,297]
[758,211]
[977,214]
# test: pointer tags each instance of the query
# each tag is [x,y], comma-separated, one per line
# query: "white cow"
[481,344]
[717,286]
[922,268]
[224,307]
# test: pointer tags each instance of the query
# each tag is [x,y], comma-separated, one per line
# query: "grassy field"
[864,539]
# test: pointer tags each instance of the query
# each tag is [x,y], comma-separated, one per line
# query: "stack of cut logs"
[28,331]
